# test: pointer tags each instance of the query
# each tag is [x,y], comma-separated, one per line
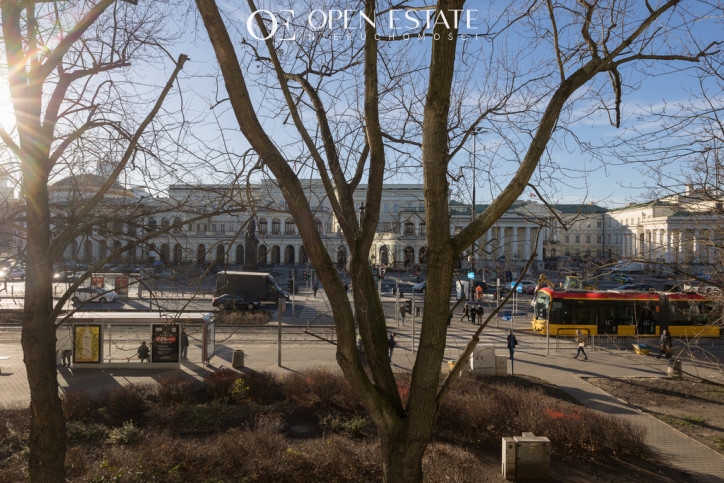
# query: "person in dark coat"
[479,311]
[473,313]
[466,312]
[391,343]
[315,287]
[143,352]
[512,342]
[184,345]
[665,344]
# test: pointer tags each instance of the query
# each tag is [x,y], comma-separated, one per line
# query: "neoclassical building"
[211,223]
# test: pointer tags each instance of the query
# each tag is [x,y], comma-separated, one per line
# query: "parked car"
[621,278]
[235,302]
[640,287]
[93,294]
[525,286]
[419,287]
[64,276]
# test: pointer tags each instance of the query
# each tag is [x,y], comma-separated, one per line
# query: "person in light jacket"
[581,340]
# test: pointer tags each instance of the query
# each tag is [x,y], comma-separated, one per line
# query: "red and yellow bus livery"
[625,313]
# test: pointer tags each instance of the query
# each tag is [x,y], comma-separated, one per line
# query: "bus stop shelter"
[110,340]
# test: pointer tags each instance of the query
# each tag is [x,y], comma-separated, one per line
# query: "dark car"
[235,302]
[639,287]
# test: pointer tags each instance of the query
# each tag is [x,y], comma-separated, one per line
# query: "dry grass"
[305,427]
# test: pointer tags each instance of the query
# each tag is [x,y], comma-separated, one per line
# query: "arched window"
[289,227]
[276,226]
[177,224]
[320,227]
[262,226]
[164,222]
[409,228]
[177,253]
[220,254]
[423,229]
[152,224]
[240,253]
[275,255]
[201,253]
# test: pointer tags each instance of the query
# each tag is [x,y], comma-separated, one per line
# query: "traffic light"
[408,306]
[373,269]
[309,274]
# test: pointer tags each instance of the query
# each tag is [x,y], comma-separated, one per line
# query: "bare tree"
[66,63]
[358,139]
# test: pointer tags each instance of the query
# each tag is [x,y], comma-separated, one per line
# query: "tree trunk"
[47,429]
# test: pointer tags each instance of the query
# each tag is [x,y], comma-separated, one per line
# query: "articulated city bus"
[625,313]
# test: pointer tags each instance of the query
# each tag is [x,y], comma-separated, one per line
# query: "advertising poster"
[97,282]
[121,285]
[86,343]
[165,343]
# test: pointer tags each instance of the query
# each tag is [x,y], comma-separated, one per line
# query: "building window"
[409,228]
[198,226]
[588,238]
[276,226]
[396,207]
[423,229]
[213,227]
[289,227]
[262,226]
[567,239]
[164,222]
[387,207]
[152,223]
[578,238]
[222,228]
[599,224]
[599,239]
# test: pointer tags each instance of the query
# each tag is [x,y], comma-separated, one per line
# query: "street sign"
[471,275]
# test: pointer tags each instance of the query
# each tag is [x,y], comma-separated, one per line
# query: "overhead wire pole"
[472,215]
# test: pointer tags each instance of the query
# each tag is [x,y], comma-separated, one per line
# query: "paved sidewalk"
[308,352]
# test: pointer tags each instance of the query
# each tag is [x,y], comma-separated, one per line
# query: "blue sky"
[579,176]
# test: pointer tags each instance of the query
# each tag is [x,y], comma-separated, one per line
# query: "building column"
[515,243]
[528,243]
[501,241]
[696,247]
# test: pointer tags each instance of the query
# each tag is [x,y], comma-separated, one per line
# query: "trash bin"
[237,360]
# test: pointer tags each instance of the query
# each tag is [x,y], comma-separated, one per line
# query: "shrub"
[85,433]
[263,387]
[123,403]
[126,434]
[173,390]
[218,384]
[321,388]
[340,424]
[78,405]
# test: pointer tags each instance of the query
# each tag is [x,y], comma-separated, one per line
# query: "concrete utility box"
[482,360]
[526,457]
[501,366]
[237,359]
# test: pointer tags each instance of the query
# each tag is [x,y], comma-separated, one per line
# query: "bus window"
[679,313]
[541,306]
[584,313]
[557,316]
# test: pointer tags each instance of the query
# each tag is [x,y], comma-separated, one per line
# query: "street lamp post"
[475,132]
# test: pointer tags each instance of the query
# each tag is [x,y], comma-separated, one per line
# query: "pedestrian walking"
[315,287]
[184,345]
[402,313]
[391,343]
[473,313]
[581,340]
[665,344]
[479,292]
[479,311]
[466,312]
[512,342]
[143,352]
